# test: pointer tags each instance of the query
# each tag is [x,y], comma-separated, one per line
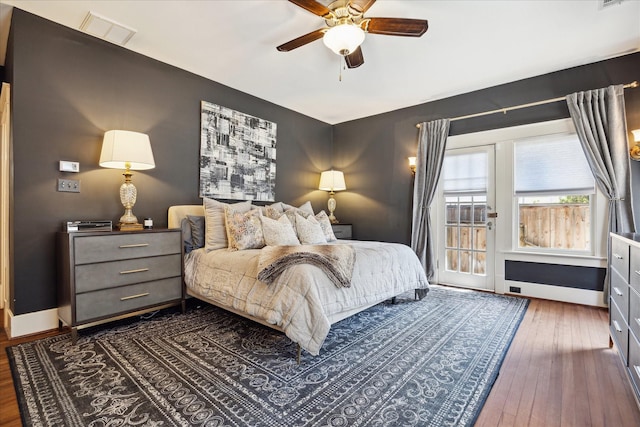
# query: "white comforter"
[302,301]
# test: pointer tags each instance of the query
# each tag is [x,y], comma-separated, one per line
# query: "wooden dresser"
[624,298]
[108,275]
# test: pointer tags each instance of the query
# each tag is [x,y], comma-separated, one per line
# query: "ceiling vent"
[106,29]
[606,3]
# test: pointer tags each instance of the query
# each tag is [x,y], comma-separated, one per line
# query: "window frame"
[515,223]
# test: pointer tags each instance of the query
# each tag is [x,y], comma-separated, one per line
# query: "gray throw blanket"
[336,261]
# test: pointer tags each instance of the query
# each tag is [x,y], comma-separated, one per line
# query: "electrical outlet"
[514,289]
[69,185]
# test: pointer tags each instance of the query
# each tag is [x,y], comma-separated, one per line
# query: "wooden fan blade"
[355,59]
[312,6]
[302,40]
[361,5]
[395,26]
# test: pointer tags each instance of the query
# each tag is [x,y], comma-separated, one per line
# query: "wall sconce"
[634,152]
[332,181]
[412,165]
[127,150]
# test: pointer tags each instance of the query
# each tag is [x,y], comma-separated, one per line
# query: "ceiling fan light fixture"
[344,39]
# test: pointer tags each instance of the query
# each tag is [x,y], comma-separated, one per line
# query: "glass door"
[466,219]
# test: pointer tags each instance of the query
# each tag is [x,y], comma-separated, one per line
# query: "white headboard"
[177,213]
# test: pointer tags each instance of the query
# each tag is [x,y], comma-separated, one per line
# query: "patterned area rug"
[413,363]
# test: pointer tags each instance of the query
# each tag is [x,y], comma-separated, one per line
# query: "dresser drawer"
[89,249]
[620,257]
[619,331]
[634,268]
[634,312]
[634,361]
[110,302]
[620,294]
[104,275]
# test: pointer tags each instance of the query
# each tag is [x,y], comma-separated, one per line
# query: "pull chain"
[340,68]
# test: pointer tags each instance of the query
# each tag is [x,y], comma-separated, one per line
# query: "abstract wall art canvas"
[237,155]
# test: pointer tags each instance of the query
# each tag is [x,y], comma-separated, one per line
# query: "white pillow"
[278,232]
[325,223]
[291,213]
[305,207]
[215,225]
[309,230]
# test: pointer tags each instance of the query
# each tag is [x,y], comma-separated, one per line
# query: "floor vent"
[106,29]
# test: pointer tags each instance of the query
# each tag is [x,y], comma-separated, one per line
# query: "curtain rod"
[631,85]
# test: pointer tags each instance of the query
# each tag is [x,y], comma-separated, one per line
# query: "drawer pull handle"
[138,270]
[617,256]
[135,245]
[617,326]
[617,291]
[134,296]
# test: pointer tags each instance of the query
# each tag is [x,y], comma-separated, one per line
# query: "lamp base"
[129,227]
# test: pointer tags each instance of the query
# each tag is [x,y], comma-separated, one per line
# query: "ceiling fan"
[346,27]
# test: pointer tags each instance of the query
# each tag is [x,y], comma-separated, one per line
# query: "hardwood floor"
[559,371]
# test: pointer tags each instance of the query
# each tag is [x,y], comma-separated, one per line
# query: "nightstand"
[342,231]
[106,276]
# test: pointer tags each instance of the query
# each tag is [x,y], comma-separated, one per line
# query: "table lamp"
[332,181]
[127,150]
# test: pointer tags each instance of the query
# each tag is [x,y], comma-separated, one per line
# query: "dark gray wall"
[68,88]
[373,151]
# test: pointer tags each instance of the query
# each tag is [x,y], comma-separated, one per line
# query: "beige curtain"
[431,146]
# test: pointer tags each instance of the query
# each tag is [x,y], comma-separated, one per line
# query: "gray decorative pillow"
[214,218]
[325,223]
[244,229]
[278,232]
[196,224]
[309,230]
[186,235]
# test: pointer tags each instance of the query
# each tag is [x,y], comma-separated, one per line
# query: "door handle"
[490,225]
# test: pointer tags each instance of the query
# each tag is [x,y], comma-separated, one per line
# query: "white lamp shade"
[332,181]
[123,148]
[636,135]
[343,39]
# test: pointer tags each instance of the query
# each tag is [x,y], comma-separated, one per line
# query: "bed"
[302,301]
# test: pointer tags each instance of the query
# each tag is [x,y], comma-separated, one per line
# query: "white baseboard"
[557,293]
[30,323]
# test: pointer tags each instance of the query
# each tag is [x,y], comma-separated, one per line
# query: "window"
[464,183]
[554,190]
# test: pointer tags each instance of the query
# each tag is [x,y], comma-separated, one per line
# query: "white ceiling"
[470,45]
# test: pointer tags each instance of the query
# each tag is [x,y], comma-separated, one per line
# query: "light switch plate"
[69,185]
[67,166]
